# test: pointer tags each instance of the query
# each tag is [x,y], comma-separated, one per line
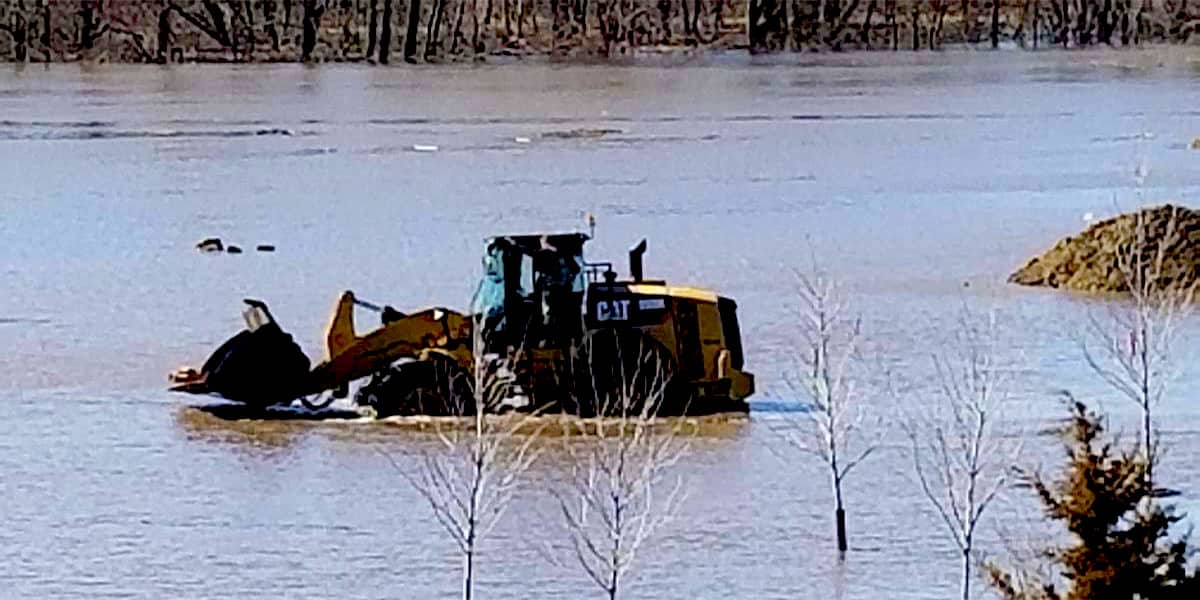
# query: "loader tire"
[623,372]
[435,387]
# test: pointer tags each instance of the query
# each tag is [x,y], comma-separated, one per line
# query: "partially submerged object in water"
[549,333]
[260,366]
[215,244]
[210,245]
[1099,258]
[581,133]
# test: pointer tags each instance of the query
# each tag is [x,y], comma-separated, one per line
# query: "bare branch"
[619,460]
[960,458]
[826,376]
[1130,345]
[479,459]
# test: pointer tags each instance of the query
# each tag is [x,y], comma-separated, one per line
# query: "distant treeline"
[444,30]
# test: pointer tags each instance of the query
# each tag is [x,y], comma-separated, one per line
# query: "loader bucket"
[260,366]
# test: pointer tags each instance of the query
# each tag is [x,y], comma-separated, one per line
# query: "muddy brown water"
[922,181]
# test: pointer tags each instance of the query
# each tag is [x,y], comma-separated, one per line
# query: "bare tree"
[385,33]
[469,478]
[620,460]
[994,34]
[311,20]
[960,457]
[829,338]
[412,26]
[1130,346]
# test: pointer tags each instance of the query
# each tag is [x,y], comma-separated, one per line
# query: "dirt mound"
[1092,261]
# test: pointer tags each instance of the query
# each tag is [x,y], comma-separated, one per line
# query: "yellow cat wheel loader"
[567,334]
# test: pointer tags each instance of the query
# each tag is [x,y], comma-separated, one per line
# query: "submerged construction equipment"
[561,333]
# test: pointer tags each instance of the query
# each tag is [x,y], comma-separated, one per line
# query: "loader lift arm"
[349,356]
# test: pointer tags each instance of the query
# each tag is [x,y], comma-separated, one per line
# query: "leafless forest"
[453,30]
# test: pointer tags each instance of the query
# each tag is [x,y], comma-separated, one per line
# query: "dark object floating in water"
[214,244]
[247,412]
[582,133]
[210,245]
[25,320]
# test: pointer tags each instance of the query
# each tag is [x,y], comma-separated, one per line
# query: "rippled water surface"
[920,181]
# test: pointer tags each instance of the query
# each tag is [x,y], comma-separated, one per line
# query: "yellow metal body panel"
[692,332]
[712,339]
[674,291]
[340,332]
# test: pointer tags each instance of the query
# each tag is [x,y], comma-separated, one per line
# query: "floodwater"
[920,181]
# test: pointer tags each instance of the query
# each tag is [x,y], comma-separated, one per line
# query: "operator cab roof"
[558,243]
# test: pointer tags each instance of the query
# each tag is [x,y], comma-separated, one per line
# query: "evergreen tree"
[1120,544]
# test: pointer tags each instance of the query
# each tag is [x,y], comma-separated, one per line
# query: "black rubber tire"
[618,371]
[435,387]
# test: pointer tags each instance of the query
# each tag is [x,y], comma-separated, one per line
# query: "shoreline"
[466,31]
[674,56]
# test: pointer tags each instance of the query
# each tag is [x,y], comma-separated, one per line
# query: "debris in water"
[233,249]
[580,133]
[424,148]
[265,248]
[1196,144]
[210,245]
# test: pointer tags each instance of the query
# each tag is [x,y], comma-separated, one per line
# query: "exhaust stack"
[635,260]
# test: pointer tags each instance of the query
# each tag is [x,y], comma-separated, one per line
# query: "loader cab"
[532,290]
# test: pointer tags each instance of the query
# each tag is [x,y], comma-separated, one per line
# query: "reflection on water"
[237,424]
[203,424]
[906,175]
